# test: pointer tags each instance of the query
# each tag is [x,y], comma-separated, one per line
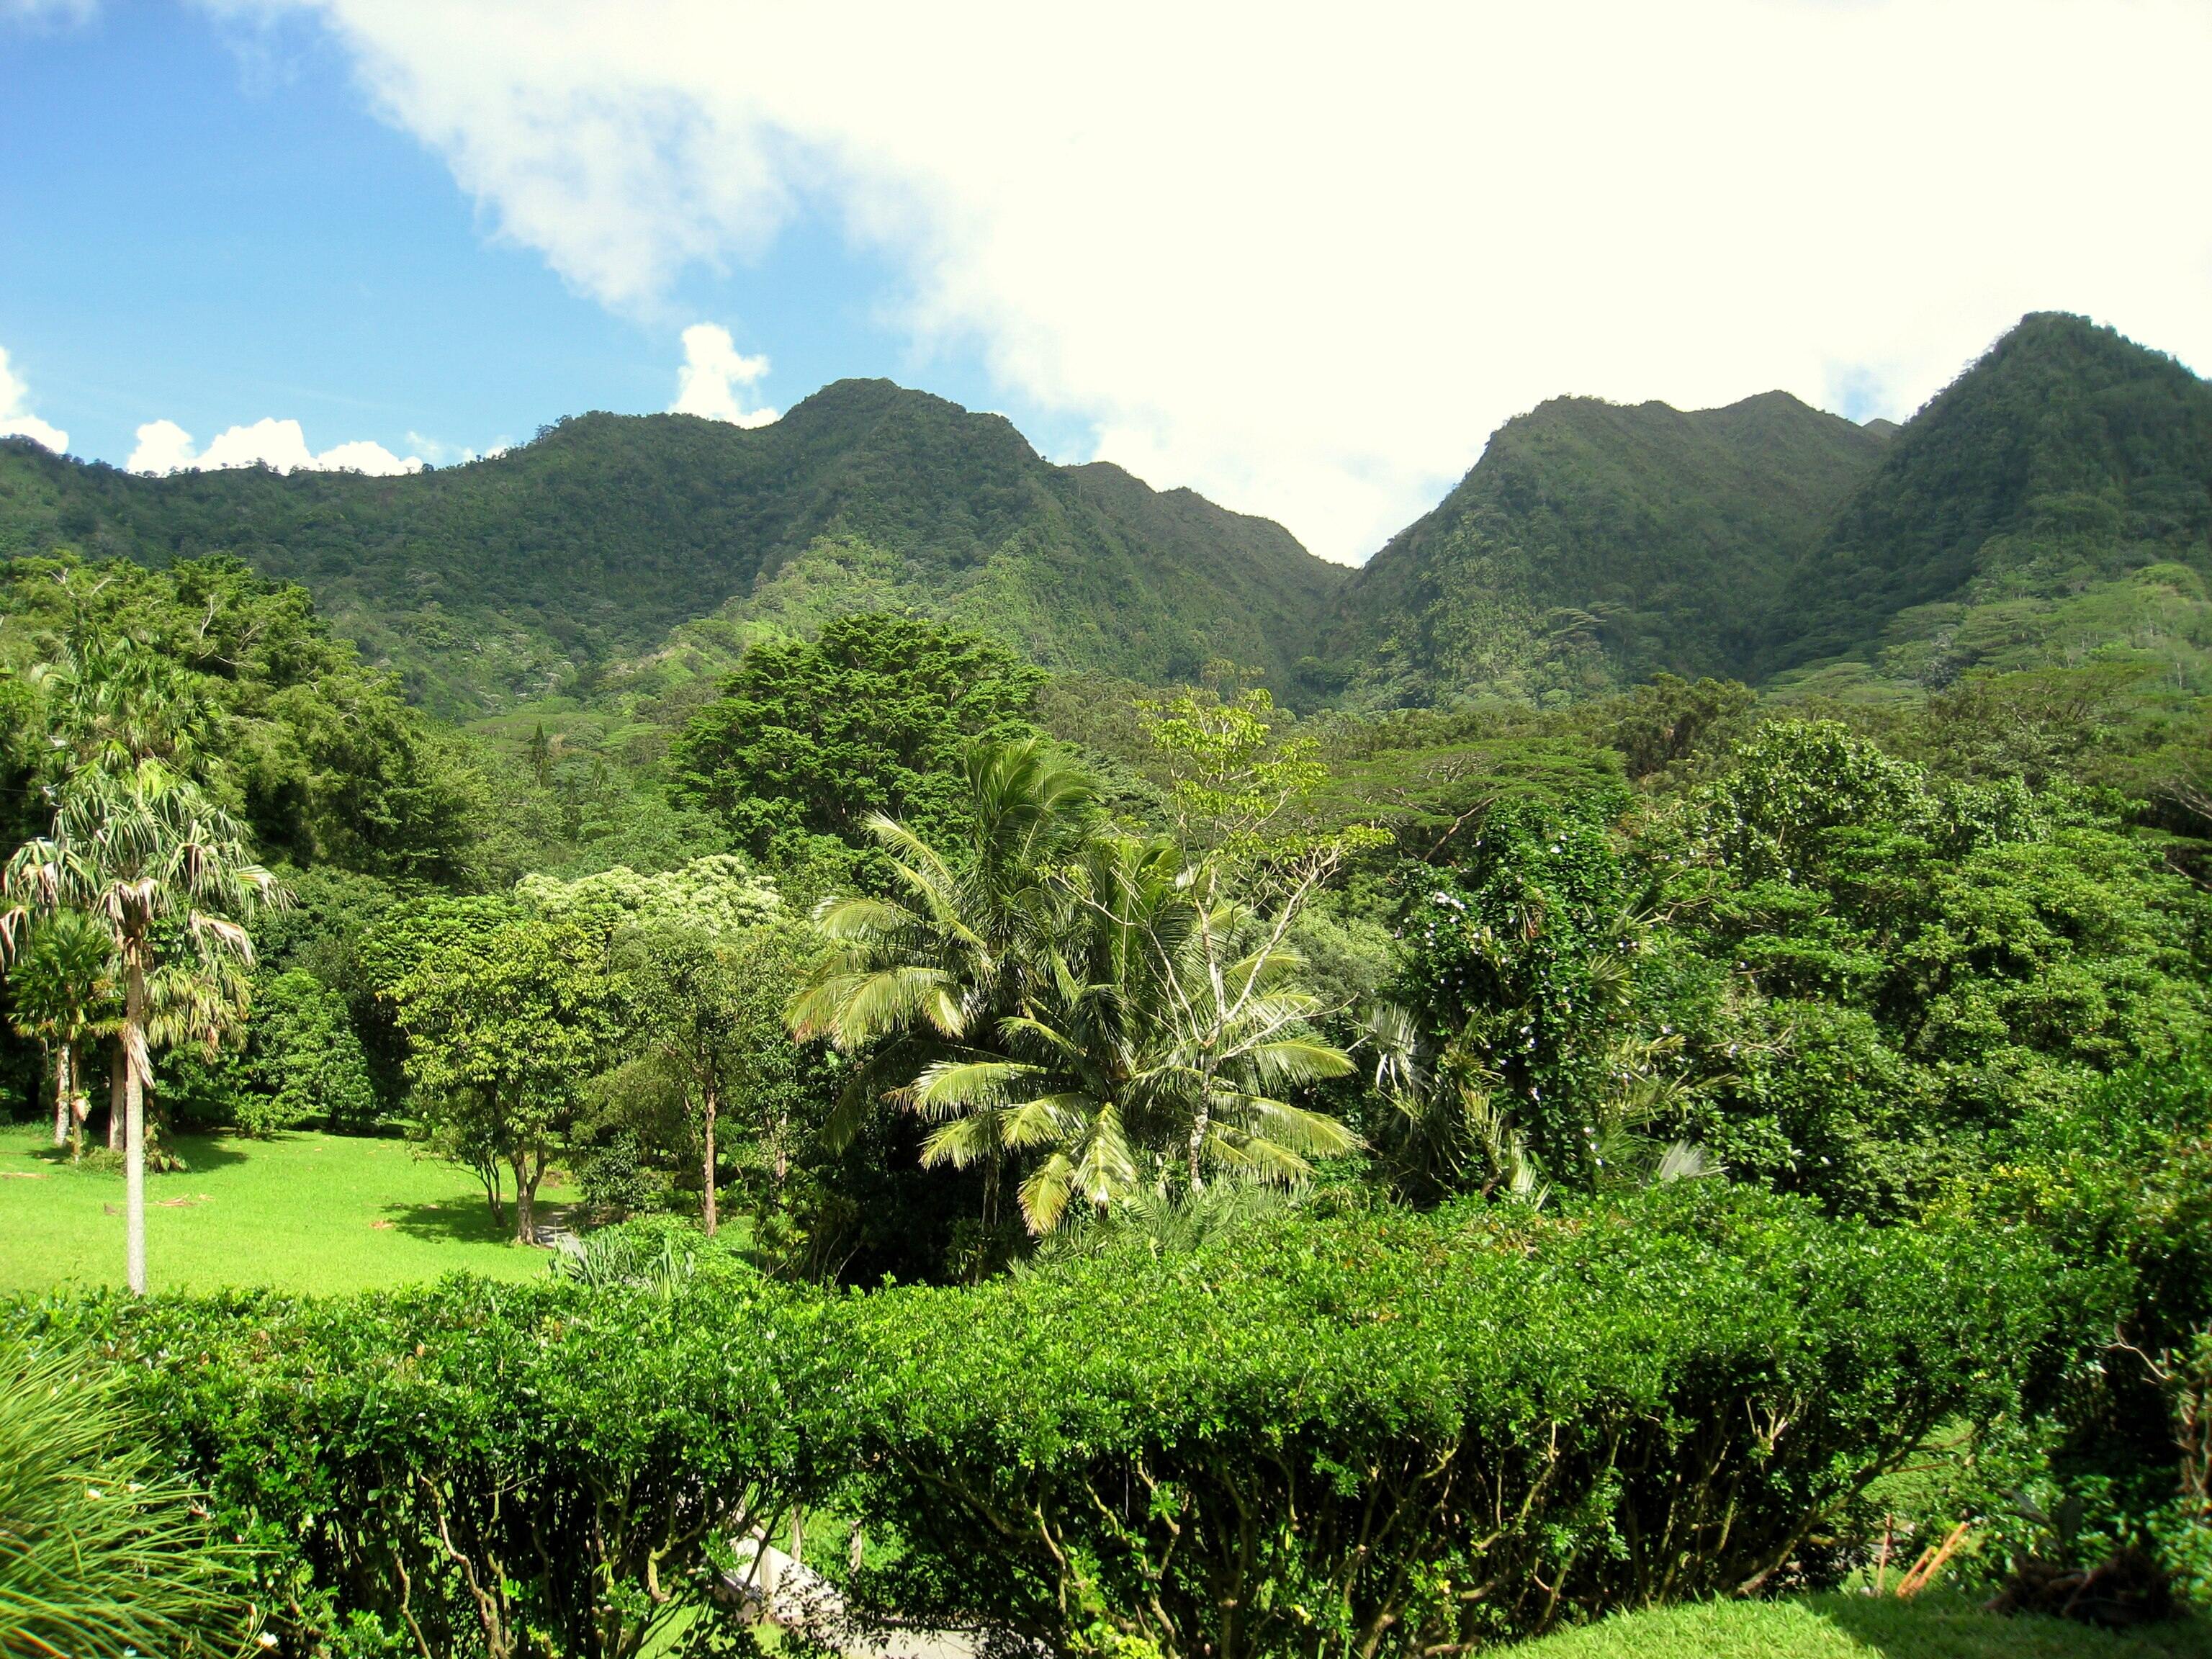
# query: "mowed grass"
[302,1212]
[1859,1628]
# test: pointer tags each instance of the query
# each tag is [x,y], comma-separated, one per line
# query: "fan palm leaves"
[954,948]
[168,876]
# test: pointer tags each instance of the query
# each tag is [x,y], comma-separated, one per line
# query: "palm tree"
[1125,1069]
[167,874]
[1048,992]
[62,979]
[112,702]
[908,979]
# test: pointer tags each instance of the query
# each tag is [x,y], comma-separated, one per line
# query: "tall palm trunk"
[61,1094]
[116,1088]
[134,1133]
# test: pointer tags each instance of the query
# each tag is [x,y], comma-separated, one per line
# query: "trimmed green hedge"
[475,1467]
[1318,1438]
[1344,1439]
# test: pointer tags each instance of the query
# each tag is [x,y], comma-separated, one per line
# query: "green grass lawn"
[303,1212]
[1859,1628]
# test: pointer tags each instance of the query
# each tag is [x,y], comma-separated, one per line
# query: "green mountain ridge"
[2066,458]
[536,570]
[1593,545]
[2053,507]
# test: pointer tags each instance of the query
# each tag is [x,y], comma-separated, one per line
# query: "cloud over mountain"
[1306,263]
[16,420]
[164,446]
[715,377]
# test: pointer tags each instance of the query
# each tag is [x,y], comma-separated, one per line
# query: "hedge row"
[1320,1438]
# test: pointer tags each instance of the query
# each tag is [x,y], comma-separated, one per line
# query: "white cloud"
[714,372]
[16,420]
[165,446]
[1306,259]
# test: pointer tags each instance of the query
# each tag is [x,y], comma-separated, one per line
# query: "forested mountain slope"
[1595,544]
[2065,460]
[512,575]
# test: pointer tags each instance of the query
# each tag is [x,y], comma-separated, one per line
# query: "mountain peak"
[2066,453]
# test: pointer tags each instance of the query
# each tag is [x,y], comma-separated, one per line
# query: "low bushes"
[1315,1437]
[1339,1441]
[482,1468]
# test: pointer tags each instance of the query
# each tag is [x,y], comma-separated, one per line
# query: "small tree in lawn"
[65,982]
[710,1007]
[688,995]
[170,877]
[504,1030]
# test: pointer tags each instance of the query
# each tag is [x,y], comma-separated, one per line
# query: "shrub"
[481,1468]
[1323,1439]
[1387,1433]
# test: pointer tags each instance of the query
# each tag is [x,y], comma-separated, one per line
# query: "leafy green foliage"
[870,717]
[304,1058]
[314,753]
[506,1025]
[1301,1438]
[1831,968]
[461,1469]
[1396,1434]
[1525,964]
[2120,1179]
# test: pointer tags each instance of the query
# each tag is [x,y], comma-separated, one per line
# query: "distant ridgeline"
[543,567]
[2053,507]
[2053,503]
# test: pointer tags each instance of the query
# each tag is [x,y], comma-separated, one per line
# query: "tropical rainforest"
[1130,1091]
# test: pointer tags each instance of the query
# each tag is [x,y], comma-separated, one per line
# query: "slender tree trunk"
[711,1104]
[118,1091]
[61,1094]
[80,1108]
[134,1133]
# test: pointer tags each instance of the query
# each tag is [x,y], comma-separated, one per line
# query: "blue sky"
[1302,260]
[204,222]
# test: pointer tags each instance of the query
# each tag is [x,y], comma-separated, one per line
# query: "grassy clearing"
[302,1212]
[1859,1628]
